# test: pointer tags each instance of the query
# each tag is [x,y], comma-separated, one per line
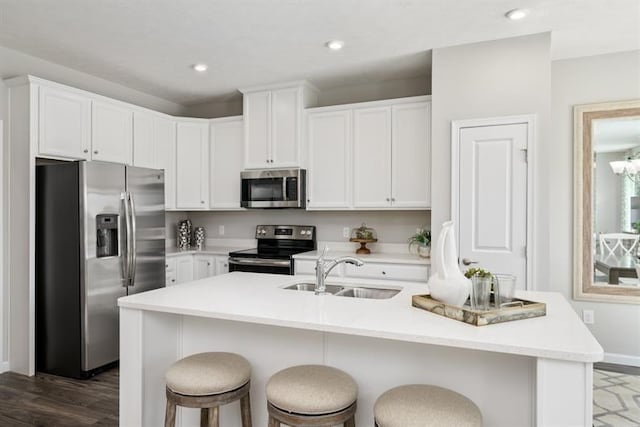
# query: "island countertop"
[259,298]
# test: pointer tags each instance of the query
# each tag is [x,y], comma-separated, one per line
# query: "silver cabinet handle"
[384,273]
[387,199]
[86,151]
[467,261]
[202,202]
[95,152]
[393,199]
[208,263]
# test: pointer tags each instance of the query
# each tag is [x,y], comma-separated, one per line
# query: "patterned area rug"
[616,399]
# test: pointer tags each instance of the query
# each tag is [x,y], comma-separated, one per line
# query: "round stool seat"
[208,373]
[419,405]
[311,390]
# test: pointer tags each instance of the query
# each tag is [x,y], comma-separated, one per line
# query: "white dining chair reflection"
[618,243]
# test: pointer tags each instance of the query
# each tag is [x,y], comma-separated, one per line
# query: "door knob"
[467,261]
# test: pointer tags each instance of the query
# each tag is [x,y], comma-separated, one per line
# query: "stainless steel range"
[276,246]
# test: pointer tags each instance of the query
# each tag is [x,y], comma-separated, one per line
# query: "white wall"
[599,78]
[608,195]
[489,79]
[392,227]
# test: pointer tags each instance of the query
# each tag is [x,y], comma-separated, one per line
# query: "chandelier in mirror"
[629,168]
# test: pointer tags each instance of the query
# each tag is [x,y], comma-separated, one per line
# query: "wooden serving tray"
[518,309]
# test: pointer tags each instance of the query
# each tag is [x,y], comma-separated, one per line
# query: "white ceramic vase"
[447,283]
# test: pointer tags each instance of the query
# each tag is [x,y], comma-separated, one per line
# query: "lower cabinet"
[188,267]
[371,270]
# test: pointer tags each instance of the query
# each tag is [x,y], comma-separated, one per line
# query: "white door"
[372,157]
[64,124]
[492,203]
[257,127]
[144,146]
[411,156]
[284,132]
[165,137]
[192,165]
[112,132]
[226,151]
[329,178]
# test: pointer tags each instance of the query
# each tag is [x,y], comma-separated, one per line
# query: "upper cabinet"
[192,164]
[164,133]
[112,132]
[273,124]
[374,155]
[144,143]
[64,124]
[226,162]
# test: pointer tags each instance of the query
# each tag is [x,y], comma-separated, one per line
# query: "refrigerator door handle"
[124,256]
[134,231]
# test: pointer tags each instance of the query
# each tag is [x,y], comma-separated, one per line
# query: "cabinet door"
[204,266]
[226,164]
[222,265]
[385,271]
[285,128]
[111,132]
[184,269]
[372,157]
[257,127]
[144,146]
[192,165]
[165,137]
[329,178]
[170,266]
[64,124]
[411,156]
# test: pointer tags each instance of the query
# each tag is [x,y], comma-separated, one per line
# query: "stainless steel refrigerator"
[100,235]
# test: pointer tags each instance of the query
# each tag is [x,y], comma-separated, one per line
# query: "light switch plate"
[221,230]
[588,317]
[346,232]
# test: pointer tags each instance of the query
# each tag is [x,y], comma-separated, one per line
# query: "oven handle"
[258,261]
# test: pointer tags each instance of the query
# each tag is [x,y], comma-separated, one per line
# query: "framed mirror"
[606,165]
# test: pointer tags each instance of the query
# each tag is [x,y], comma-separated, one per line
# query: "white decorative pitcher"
[447,283]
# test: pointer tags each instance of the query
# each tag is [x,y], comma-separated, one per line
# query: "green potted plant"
[636,226]
[422,239]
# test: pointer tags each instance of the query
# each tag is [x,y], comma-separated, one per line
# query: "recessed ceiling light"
[201,68]
[335,44]
[516,14]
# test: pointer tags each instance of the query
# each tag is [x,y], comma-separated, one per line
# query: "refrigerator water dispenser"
[107,235]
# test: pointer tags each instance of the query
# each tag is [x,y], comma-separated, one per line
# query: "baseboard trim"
[4,367]
[622,359]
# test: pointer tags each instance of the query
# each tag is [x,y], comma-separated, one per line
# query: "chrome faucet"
[324,268]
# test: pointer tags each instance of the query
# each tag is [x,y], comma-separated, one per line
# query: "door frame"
[530,120]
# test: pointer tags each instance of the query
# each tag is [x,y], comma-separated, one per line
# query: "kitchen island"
[529,372]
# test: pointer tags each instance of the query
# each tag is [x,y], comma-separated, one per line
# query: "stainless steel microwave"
[273,188]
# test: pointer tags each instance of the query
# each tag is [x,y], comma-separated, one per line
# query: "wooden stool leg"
[214,417]
[273,422]
[351,422]
[204,417]
[170,414]
[245,410]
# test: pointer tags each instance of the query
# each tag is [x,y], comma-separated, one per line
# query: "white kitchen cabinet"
[170,267]
[222,265]
[111,132]
[64,124]
[329,175]
[165,151]
[273,124]
[389,271]
[144,143]
[411,155]
[192,164]
[203,266]
[372,157]
[184,268]
[226,162]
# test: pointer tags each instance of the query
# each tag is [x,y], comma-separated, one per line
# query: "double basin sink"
[348,291]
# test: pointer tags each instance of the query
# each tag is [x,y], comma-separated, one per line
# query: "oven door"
[261,265]
[273,189]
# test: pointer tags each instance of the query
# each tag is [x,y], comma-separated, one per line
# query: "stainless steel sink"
[369,293]
[330,289]
[348,291]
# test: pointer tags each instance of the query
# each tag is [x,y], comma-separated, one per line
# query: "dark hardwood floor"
[47,400]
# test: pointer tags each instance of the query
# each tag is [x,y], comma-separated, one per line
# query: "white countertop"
[387,257]
[258,298]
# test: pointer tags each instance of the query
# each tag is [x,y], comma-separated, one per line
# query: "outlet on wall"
[346,232]
[221,230]
[588,317]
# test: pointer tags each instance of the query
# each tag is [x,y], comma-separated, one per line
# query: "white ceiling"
[149,45]
[612,135]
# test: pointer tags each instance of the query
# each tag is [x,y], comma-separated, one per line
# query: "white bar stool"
[207,381]
[421,405]
[311,395]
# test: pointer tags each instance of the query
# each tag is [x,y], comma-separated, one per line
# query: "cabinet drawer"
[309,267]
[415,273]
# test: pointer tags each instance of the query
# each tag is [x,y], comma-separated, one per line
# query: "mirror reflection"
[616,201]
